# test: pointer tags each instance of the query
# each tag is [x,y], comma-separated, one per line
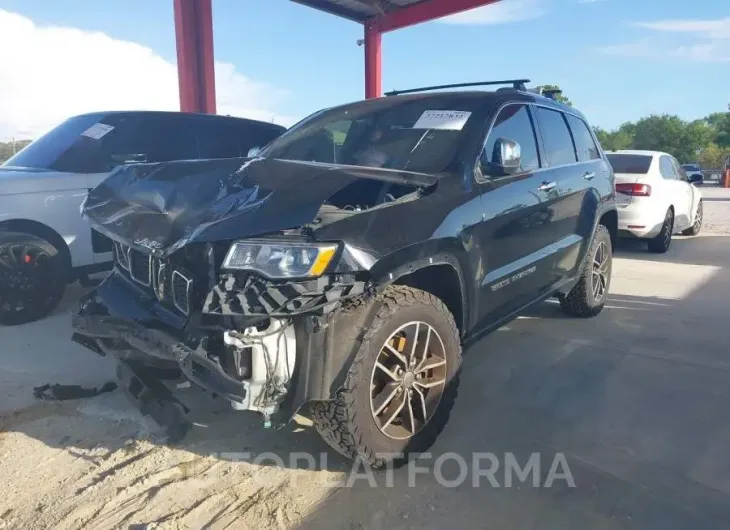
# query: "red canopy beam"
[424,12]
[195,67]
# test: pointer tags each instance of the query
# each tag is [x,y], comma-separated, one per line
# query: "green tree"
[621,138]
[558,97]
[713,156]
[720,122]
[673,135]
[8,149]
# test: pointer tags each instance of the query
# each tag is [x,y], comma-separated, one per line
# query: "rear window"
[637,164]
[691,167]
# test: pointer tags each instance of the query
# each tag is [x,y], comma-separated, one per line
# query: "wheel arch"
[39,230]
[609,219]
[436,270]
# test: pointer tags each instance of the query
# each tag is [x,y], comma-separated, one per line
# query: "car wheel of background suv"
[588,296]
[401,385]
[33,276]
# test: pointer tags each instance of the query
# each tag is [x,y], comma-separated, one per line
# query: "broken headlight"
[281,260]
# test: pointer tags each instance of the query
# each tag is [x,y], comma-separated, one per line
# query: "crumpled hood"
[164,206]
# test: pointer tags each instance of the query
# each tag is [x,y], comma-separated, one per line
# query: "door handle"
[547,186]
[589,176]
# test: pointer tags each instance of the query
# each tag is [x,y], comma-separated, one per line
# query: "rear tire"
[351,423]
[697,226]
[661,243]
[33,276]
[588,296]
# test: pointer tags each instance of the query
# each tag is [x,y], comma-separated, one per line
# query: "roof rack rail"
[517,84]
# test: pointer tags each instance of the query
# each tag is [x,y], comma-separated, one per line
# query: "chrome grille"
[160,280]
[122,254]
[171,286]
[140,267]
[181,291]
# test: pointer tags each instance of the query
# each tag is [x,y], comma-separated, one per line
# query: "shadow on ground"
[636,399]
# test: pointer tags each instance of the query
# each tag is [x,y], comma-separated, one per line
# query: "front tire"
[588,296]
[33,276]
[661,243]
[402,384]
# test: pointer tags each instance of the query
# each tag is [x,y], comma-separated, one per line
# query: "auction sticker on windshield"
[97,131]
[447,120]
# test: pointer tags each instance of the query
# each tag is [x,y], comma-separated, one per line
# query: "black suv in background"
[347,264]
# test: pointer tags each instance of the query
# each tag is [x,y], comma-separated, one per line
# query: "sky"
[617,60]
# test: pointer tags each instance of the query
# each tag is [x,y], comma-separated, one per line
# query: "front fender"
[449,252]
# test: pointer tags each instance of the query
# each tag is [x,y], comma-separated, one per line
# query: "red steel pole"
[195,62]
[373,61]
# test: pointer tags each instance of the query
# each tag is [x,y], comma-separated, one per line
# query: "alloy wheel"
[668,225]
[601,266]
[23,276]
[408,380]
[698,217]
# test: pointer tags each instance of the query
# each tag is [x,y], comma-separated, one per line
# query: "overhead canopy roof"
[358,10]
[388,15]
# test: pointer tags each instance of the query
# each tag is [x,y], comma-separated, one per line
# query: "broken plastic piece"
[65,392]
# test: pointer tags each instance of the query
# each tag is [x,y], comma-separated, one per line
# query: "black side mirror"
[506,158]
[696,179]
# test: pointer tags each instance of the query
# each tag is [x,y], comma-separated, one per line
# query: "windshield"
[691,167]
[46,150]
[637,164]
[419,135]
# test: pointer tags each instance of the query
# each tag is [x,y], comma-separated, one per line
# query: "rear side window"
[556,137]
[667,168]
[513,123]
[217,140]
[631,164]
[151,139]
[168,139]
[584,144]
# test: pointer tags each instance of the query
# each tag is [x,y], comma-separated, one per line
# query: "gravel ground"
[635,399]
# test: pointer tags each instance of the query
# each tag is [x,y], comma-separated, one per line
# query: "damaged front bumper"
[157,340]
[119,319]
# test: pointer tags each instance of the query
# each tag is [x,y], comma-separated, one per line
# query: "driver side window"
[667,169]
[679,170]
[514,122]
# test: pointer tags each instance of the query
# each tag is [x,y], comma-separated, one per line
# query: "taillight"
[636,190]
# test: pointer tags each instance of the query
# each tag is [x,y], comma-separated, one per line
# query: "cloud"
[499,13]
[711,29]
[49,73]
[689,40]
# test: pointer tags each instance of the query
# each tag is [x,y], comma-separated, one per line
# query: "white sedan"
[655,198]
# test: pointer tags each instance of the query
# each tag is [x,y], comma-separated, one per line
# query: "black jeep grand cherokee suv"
[346,264]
